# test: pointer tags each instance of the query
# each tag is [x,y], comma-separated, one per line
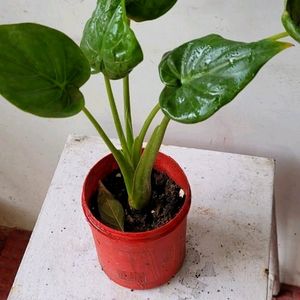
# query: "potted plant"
[41,72]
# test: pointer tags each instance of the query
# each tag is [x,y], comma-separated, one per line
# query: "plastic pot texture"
[139,260]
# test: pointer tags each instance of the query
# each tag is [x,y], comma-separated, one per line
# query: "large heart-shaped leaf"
[41,70]
[204,74]
[291,18]
[111,210]
[143,10]
[108,42]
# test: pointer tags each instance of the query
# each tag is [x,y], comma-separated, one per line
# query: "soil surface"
[167,199]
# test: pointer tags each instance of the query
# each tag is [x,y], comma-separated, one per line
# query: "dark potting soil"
[166,201]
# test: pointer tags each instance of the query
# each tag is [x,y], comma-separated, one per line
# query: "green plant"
[42,70]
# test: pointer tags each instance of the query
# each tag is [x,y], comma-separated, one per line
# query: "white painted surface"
[229,229]
[263,121]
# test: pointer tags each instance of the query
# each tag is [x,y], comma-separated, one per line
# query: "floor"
[289,292]
[13,243]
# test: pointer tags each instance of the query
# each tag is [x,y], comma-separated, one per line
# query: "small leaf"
[291,18]
[41,70]
[108,42]
[143,10]
[111,210]
[203,75]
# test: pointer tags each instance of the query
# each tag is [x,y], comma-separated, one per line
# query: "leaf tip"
[287,45]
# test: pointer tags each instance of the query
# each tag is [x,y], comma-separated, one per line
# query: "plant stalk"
[277,36]
[138,143]
[127,112]
[116,118]
[125,168]
[140,195]
[100,130]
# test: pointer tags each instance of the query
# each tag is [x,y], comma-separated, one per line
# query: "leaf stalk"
[125,167]
[138,143]
[127,112]
[278,36]
[116,118]
[140,195]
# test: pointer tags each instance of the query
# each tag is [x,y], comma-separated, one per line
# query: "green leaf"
[291,18]
[108,42]
[204,74]
[111,210]
[41,70]
[143,10]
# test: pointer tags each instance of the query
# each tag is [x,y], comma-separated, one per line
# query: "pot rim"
[150,234]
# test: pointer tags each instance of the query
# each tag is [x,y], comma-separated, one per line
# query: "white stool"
[231,240]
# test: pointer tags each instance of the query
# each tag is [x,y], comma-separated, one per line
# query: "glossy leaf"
[41,70]
[108,42]
[204,74]
[111,210]
[291,18]
[143,10]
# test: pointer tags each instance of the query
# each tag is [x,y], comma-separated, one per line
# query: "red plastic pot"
[140,260]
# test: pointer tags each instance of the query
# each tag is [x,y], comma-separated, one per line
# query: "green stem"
[127,112]
[138,143]
[140,194]
[116,117]
[277,36]
[101,132]
[148,121]
[125,168]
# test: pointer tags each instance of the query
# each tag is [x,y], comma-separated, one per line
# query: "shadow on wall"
[287,191]
[11,215]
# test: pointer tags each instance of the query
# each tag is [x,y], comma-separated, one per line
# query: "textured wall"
[263,121]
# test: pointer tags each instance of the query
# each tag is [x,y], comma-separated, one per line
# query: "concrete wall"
[263,120]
